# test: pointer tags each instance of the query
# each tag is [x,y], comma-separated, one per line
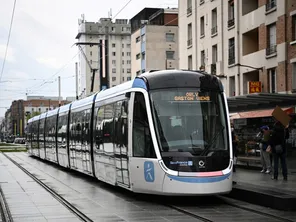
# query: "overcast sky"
[42,36]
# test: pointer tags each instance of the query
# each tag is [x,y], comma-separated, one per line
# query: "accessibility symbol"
[149,171]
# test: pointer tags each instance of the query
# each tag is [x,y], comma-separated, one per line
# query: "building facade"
[244,42]
[154,40]
[105,46]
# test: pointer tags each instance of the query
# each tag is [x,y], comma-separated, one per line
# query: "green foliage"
[31,115]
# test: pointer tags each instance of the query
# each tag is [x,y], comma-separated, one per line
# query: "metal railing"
[231,22]
[271,49]
[214,30]
[213,68]
[270,5]
[189,10]
[189,42]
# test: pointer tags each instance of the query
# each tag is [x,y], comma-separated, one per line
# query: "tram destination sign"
[191,96]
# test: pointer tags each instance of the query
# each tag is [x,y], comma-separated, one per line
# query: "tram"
[164,132]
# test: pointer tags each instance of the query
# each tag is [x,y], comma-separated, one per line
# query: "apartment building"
[242,41]
[105,46]
[154,40]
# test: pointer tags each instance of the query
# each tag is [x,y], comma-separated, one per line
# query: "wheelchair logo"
[149,171]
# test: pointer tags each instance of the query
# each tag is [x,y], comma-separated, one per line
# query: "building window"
[190,62]
[122,53]
[128,78]
[189,7]
[231,51]
[270,4]
[170,37]
[113,79]
[202,58]
[128,62]
[113,70]
[271,41]
[128,71]
[293,77]
[231,21]
[122,45]
[202,26]
[189,35]
[113,45]
[214,30]
[214,59]
[128,29]
[114,53]
[113,62]
[138,39]
[122,70]
[143,55]
[272,80]
[138,56]
[294,28]
[170,55]
[122,62]
[128,54]
[90,53]
[123,79]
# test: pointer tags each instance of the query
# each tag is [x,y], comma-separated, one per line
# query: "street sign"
[254,87]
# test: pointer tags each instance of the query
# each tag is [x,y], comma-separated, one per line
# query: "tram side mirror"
[128,95]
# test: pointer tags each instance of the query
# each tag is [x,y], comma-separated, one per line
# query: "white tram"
[165,132]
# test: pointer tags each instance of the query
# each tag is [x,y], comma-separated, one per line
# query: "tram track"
[223,202]
[4,209]
[227,202]
[58,197]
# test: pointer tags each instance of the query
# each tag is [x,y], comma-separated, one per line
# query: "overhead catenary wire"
[64,66]
[8,39]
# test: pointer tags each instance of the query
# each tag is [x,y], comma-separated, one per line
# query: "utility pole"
[76,73]
[59,91]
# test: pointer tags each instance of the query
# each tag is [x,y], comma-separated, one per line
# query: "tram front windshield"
[191,124]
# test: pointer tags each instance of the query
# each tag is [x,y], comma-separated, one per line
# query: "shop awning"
[260,101]
[259,113]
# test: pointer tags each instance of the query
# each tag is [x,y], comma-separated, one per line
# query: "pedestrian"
[234,148]
[265,157]
[277,145]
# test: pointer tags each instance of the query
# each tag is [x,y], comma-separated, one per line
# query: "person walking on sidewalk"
[265,156]
[277,144]
[234,147]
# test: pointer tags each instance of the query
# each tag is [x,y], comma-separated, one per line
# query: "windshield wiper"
[212,142]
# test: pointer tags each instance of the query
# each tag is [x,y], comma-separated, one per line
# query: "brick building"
[22,110]
[243,41]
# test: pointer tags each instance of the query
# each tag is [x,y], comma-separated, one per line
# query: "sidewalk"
[258,188]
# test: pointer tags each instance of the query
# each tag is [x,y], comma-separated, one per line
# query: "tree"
[30,115]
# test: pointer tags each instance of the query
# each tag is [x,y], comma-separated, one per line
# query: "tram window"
[142,141]
[98,134]
[121,125]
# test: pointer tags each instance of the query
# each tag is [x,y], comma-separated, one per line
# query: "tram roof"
[260,101]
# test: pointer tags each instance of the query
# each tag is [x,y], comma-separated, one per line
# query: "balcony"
[214,30]
[271,4]
[189,10]
[231,22]
[189,42]
[271,49]
[214,69]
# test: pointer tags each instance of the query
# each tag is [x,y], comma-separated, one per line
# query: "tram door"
[121,143]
